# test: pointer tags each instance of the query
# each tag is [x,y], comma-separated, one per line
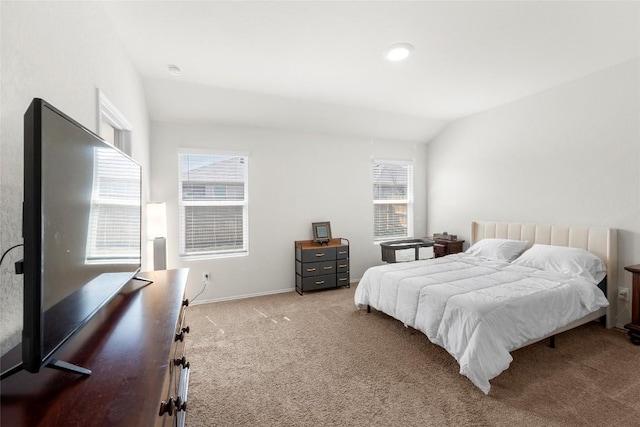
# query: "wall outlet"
[205,276]
[623,294]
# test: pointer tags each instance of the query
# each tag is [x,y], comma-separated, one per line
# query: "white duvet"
[478,310]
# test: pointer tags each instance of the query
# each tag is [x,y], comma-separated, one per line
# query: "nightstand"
[443,247]
[634,326]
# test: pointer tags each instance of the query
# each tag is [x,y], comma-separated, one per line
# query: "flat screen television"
[81,228]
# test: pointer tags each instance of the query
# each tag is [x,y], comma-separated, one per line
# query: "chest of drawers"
[321,266]
[135,347]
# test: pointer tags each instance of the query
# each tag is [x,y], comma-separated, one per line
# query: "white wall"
[294,179]
[61,52]
[568,155]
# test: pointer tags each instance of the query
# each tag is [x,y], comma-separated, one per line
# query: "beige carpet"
[314,360]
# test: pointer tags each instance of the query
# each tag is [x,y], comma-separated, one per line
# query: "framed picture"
[321,232]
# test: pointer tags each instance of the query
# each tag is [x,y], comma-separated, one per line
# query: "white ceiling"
[318,65]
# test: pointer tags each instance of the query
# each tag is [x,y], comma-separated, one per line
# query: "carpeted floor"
[314,360]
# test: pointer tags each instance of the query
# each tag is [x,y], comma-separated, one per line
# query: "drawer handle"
[180,405]
[342,252]
[182,362]
[342,266]
[320,282]
[320,254]
[167,407]
[180,336]
[344,279]
[329,267]
[311,269]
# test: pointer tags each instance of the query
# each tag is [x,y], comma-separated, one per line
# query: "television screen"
[81,226]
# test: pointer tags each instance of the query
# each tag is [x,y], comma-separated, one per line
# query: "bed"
[484,303]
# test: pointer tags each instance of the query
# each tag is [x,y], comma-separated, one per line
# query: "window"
[392,199]
[114,218]
[113,127]
[213,204]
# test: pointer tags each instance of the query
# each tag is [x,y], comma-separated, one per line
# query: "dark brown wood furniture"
[443,247]
[634,326]
[134,347]
[321,266]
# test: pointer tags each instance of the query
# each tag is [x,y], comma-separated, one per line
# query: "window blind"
[213,204]
[392,199]
[114,218]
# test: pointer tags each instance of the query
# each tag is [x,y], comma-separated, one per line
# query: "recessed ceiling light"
[174,70]
[398,52]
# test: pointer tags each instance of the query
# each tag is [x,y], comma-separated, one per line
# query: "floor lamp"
[157,231]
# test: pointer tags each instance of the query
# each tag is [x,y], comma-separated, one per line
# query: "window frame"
[408,201]
[212,254]
[109,114]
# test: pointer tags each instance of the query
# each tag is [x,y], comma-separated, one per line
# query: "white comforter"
[478,310]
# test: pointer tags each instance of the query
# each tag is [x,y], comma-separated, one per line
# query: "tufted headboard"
[601,241]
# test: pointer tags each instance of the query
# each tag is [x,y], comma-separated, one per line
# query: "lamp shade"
[156,220]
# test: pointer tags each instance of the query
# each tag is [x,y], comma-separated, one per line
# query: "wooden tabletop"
[127,348]
[310,244]
[633,268]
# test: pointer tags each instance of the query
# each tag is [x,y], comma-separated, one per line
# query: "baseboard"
[234,297]
[258,294]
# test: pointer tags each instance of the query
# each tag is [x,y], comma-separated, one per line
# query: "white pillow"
[572,261]
[500,249]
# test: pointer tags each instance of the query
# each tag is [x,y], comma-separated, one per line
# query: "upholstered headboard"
[600,241]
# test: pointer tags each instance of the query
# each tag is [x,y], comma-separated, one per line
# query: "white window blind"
[392,199]
[114,218]
[213,204]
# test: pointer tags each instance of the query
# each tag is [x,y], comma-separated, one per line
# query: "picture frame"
[321,232]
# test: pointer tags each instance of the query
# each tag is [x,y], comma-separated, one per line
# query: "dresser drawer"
[317,282]
[320,254]
[447,247]
[327,267]
[308,269]
[343,279]
[342,252]
[315,268]
[342,265]
[455,247]
[439,249]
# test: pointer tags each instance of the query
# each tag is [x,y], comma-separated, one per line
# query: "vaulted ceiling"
[318,65]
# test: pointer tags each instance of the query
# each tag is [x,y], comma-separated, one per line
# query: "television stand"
[136,362]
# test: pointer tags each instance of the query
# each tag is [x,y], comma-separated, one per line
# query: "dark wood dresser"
[443,247]
[134,346]
[634,326]
[321,266]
